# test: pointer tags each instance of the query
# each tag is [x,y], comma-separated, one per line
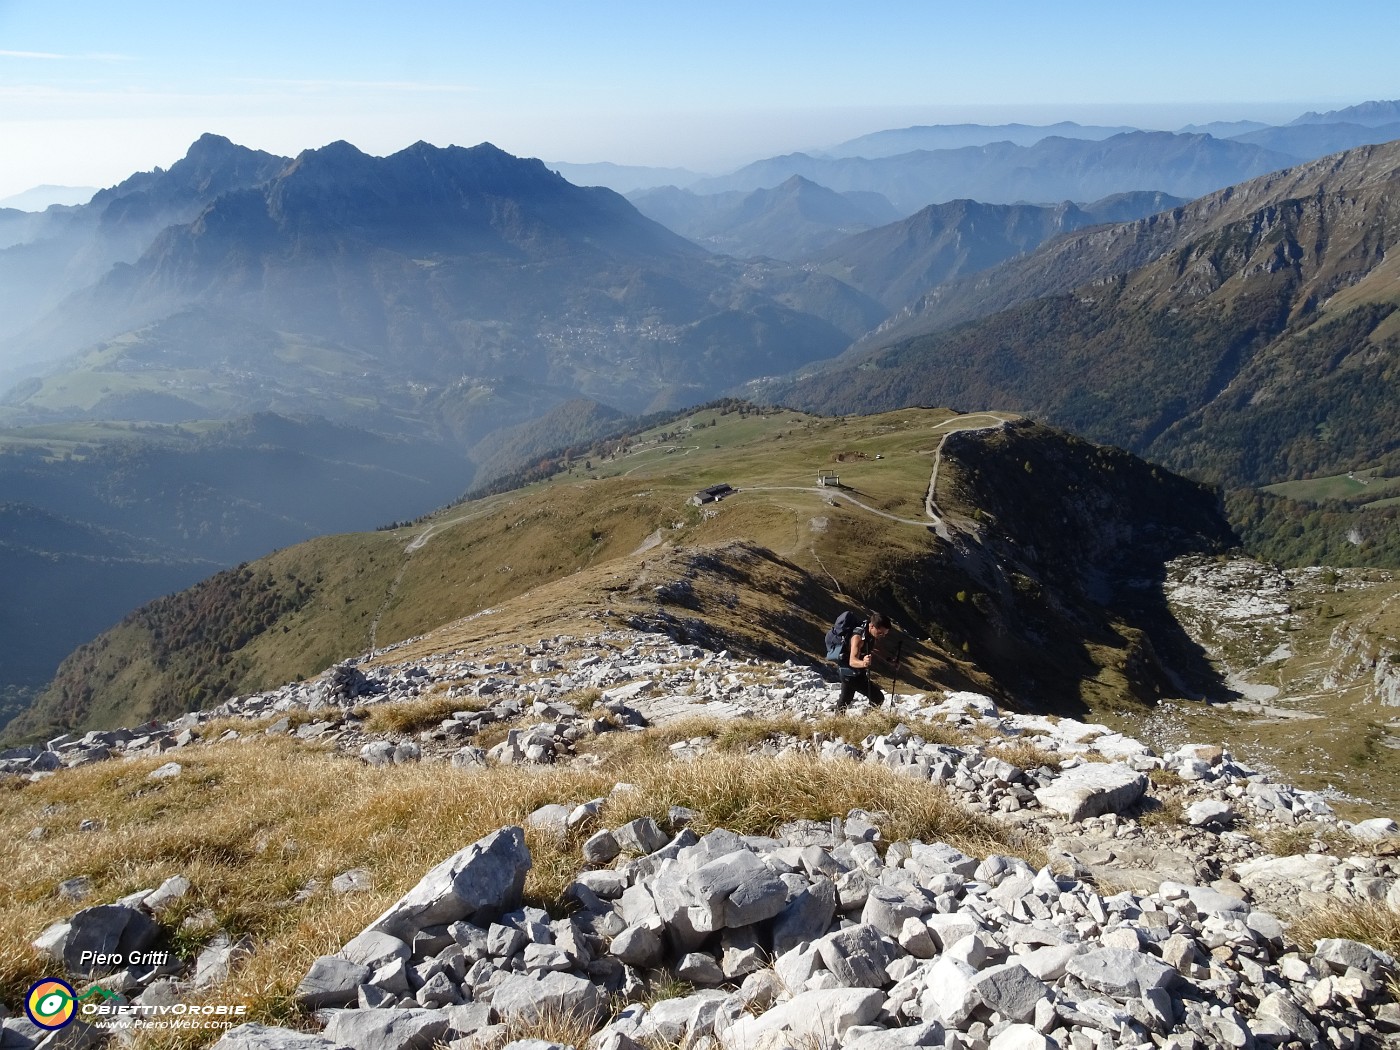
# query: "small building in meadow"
[713,494]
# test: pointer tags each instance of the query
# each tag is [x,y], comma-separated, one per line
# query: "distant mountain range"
[1054,169]
[1306,141]
[1370,114]
[895,141]
[787,222]
[40,197]
[343,277]
[930,164]
[896,264]
[1247,337]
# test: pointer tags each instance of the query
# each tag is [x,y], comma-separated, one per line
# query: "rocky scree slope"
[823,932]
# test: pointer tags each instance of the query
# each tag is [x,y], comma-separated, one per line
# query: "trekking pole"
[894,673]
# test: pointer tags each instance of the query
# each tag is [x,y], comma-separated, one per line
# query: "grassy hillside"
[765,570]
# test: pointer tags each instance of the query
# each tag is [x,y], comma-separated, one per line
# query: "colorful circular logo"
[51,1003]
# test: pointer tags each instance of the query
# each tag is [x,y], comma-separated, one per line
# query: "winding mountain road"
[935,519]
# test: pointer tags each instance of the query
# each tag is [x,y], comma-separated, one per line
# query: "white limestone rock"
[1093,789]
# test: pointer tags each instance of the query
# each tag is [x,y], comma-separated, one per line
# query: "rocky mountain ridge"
[61,250]
[406,275]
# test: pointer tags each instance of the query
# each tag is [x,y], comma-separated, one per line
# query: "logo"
[51,1003]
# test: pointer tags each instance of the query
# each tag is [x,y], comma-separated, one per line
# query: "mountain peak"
[339,150]
[210,144]
[214,163]
[211,166]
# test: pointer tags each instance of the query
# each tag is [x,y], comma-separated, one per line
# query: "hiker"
[856,657]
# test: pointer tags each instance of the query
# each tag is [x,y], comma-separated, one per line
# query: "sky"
[91,92]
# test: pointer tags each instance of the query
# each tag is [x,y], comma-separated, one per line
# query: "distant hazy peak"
[38,198]
[895,141]
[1369,114]
[1224,129]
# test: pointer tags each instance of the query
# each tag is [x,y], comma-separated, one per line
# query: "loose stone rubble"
[824,935]
[816,937]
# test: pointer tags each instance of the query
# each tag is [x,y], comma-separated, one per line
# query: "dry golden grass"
[1025,754]
[251,823]
[552,1026]
[1318,838]
[217,727]
[583,698]
[410,716]
[1161,810]
[1371,922]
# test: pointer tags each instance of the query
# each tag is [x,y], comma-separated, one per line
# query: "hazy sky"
[90,92]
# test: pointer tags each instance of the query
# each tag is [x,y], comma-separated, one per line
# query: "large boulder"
[109,931]
[734,890]
[479,883]
[806,917]
[817,1019]
[555,994]
[387,1029]
[1093,789]
[1121,972]
[331,981]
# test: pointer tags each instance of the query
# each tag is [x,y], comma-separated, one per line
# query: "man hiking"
[856,656]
